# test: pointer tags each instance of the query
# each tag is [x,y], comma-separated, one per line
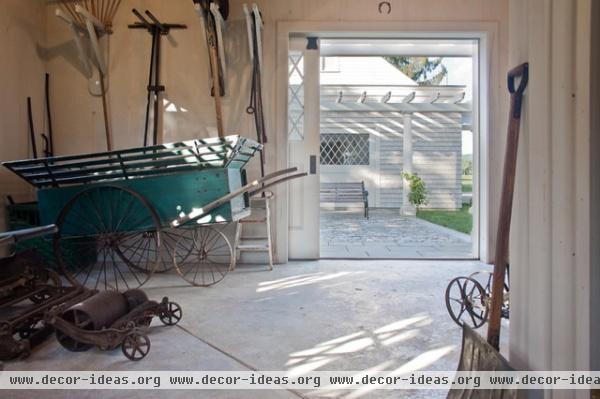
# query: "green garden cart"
[124,215]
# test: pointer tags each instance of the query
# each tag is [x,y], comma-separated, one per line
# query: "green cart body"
[169,195]
[90,198]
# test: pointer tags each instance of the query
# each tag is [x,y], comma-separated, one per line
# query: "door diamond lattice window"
[344,149]
[296,96]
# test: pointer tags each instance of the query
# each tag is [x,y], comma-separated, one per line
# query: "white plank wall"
[436,158]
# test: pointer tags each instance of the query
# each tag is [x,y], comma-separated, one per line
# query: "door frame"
[487,35]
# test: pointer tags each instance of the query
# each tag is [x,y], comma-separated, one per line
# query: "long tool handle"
[278,181]
[105,112]
[506,200]
[216,75]
[50,144]
[149,96]
[31,128]
[206,209]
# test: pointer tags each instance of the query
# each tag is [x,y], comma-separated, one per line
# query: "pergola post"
[407,164]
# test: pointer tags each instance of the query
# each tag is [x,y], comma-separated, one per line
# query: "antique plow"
[27,291]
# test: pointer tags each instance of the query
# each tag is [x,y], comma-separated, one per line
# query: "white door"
[303,134]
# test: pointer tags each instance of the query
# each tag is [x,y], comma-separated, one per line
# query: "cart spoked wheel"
[135,346]
[174,246]
[466,301]
[171,315]
[109,238]
[210,257]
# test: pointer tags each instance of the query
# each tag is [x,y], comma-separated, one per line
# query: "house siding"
[437,151]
[437,157]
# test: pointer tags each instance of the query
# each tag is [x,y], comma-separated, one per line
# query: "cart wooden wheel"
[109,238]
[466,302]
[210,257]
[171,315]
[135,346]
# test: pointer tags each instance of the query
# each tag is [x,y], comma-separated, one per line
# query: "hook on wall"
[384,7]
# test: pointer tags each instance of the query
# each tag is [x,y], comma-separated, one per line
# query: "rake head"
[103,10]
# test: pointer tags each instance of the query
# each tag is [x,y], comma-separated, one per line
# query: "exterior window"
[344,149]
[296,96]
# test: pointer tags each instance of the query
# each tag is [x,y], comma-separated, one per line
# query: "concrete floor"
[303,316]
[388,235]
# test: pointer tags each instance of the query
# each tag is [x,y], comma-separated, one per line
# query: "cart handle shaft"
[199,212]
[12,237]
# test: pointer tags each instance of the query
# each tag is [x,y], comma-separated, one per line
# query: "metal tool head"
[223,6]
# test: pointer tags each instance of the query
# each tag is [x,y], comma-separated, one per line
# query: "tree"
[425,71]
[418,192]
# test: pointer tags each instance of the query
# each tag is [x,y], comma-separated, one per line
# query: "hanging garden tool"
[508,185]
[31,129]
[156,29]
[213,14]
[254,25]
[48,140]
[92,19]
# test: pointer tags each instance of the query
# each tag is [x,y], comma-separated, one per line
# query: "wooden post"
[407,164]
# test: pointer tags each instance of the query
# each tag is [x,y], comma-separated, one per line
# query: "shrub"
[418,192]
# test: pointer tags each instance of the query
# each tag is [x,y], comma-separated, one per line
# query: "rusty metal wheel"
[135,346]
[209,259]
[466,301]
[172,314]
[485,278]
[109,239]
[79,320]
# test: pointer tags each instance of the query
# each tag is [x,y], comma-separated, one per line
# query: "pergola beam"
[362,98]
[409,98]
[395,107]
[386,97]
[458,98]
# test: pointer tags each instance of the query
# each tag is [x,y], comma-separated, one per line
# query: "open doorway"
[396,140]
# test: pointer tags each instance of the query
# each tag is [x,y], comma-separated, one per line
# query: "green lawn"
[467,184]
[460,220]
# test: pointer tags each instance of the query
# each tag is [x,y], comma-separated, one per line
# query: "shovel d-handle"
[522,72]
[206,209]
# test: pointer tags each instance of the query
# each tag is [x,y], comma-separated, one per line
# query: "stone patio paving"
[387,235]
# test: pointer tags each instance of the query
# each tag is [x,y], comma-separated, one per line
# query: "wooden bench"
[345,193]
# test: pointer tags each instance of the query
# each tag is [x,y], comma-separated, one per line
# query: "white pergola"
[430,99]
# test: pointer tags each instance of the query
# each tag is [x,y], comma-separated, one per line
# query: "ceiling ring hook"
[384,4]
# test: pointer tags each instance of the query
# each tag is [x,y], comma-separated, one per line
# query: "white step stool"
[261,214]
